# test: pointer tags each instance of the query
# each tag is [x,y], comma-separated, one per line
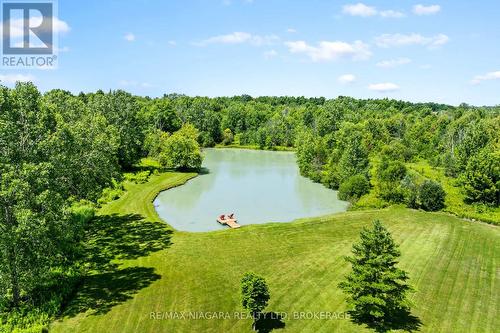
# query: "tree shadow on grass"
[122,237]
[100,292]
[109,239]
[269,321]
[401,319]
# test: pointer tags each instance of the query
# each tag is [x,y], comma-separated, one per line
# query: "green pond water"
[257,186]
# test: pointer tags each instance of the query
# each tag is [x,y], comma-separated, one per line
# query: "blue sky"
[441,51]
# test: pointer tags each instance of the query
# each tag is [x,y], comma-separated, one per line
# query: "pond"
[257,186]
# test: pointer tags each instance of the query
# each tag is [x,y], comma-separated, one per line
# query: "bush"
[139,177]
[228,137]
[111,193]
[353,188]
[82,212]
[431,195]
[391,191]
[392,171]
[36,313]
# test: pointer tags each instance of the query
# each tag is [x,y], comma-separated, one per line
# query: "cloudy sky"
[441,51]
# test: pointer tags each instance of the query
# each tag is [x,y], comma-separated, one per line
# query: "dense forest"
[62,155]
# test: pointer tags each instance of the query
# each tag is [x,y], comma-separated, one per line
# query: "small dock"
[232,223]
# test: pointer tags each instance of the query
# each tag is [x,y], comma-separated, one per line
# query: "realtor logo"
[28,38]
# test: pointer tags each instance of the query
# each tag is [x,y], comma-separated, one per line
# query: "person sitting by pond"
[231,216]
[222,217]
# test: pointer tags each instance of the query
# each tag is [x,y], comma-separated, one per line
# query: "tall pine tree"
[376,288]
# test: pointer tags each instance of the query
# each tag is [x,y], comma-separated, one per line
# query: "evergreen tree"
[376,288]
[482,178]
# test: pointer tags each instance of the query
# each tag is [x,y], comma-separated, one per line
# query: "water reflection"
[258,186]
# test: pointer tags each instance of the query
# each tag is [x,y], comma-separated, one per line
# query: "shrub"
[42,306]
[354,187]
[431,195]
[82,212]
[228,137]
[391,191]
[139,177]
[111,193]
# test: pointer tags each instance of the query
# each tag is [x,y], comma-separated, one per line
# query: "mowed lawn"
[144,268]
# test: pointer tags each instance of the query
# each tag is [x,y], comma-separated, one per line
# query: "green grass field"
[140,267]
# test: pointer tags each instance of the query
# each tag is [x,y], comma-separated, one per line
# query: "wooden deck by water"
[229,222]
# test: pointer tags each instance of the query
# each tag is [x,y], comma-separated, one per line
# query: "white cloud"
[62,49]
[38,43]
[426,10]
[383,87]
[263,40]
[46,68]
[389,40]
[347,78]
[60,26]
[391,63]
[326,51]
[172,43]
[239,38]
[270,54]
[130,37]
[291,30]
[391,14]
[16,25]
[359,9]
[488,76]
[13,78]
[17,32]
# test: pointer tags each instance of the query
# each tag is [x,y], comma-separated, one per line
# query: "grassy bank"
[455,198]
[138,198]
[455,202]
[145,267]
